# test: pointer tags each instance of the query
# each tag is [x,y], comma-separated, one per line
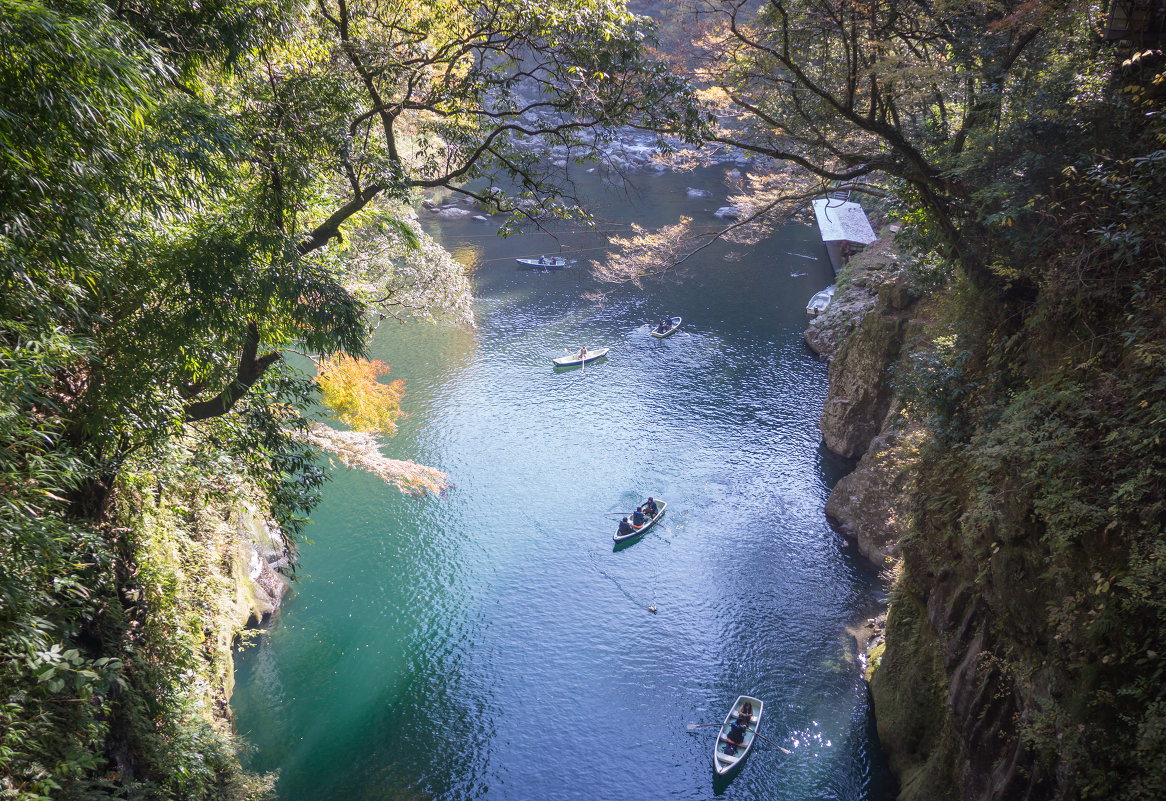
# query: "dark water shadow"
[832,467]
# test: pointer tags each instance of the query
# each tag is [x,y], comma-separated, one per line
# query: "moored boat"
[728,751]
[673,324]
[547,262]
[821,301]
[651,521]
[578,357]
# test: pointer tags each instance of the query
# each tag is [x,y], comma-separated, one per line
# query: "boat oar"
[771,742]
[692,726]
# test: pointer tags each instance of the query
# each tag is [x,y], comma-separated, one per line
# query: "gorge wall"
[210,563]
[1023,655]
[201,564]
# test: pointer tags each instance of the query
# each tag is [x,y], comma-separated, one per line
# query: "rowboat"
[547,262]
[578,358]
[726,753]
[673,324]
[821,301]
[651,521]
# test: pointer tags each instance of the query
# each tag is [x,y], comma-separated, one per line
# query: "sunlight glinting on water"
[493,643]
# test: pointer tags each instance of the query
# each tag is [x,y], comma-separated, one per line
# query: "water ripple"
[494,643]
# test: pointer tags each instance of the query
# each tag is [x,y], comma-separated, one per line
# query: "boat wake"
[650,604]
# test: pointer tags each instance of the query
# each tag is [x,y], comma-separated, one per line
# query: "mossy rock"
[873,658]
[909,686]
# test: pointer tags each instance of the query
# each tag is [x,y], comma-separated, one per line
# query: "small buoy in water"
[652,609]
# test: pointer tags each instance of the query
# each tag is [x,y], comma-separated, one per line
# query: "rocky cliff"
[1012,470]
[865,332]
[946,726]
[211,569]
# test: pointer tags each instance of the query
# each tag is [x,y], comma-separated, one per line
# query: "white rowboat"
[728,754]
[547,262]
[821,301]
[673,324]
[660,505]
[577,358]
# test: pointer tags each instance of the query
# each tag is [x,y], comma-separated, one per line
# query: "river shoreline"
[863,334]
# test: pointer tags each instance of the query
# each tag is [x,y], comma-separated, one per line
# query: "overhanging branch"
[251,369]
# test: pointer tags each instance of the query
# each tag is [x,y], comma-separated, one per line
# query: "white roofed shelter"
[841,222]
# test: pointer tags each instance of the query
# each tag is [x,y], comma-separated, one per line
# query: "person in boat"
[745,716]
[583,352]
[649,507]
[542,259]
[663,326]
[736,732]
[625,527]
[638,518]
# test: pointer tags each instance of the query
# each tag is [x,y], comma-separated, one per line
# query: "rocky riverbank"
[1008,475]
[866,333]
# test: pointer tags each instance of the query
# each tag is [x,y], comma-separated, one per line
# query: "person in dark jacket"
[625,527]
[650,508]
[638,518]
[736,733]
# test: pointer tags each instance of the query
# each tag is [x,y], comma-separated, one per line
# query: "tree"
[960,112]
[187,191]
[314,136]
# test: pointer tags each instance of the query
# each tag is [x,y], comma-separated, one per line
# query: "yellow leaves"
[350,388]
[646,253]
[714,96]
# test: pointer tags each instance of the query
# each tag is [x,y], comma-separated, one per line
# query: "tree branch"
[251,369]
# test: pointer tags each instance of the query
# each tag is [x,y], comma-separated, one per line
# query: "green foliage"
[54,689]
[909,687]
[97,157]
[1045,487]
[1084,443]
[262,444]
[966,113]
[172,175]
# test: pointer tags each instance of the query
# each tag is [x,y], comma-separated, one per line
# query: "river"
[493,643]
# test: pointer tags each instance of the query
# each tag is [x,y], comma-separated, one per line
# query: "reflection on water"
[493,643]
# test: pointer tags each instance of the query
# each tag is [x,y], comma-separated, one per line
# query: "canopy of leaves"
[188,190]
[962,113]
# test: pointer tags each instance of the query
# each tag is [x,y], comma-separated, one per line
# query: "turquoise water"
[493,643]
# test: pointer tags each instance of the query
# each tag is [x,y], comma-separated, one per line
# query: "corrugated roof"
[843,221]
